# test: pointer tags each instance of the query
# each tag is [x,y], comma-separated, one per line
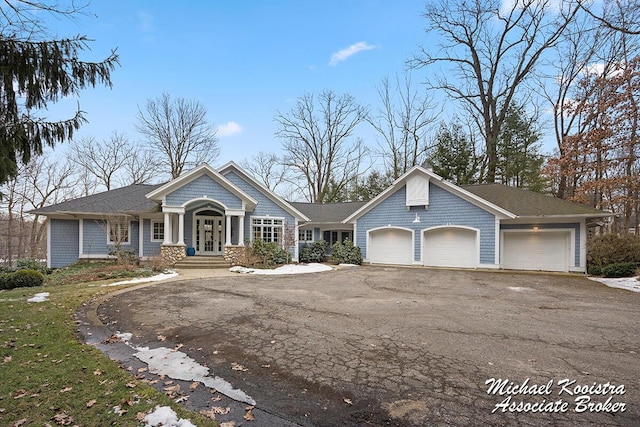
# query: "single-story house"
[421,219]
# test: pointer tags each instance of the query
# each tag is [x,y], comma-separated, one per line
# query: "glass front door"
[209,235]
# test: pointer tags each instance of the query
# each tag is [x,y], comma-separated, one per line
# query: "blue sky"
[242,60]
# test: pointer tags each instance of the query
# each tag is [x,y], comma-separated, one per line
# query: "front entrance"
[209,235]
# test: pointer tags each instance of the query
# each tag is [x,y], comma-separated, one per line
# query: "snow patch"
[179,366]
[156,278]
[165,416]
[627,283]
[520,288]
[285,269]
[41,297]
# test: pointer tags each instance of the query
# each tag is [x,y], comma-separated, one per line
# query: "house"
[421,219]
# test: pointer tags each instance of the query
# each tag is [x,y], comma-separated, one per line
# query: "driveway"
[405,346]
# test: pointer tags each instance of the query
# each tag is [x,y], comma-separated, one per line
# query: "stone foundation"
[235,254]
[172,253]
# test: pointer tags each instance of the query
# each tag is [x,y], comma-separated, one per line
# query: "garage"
[450,247]
[390,246]
[536,250]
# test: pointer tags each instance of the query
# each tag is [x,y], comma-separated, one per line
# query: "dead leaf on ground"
[142,369]
[130,384]
[97,372]
[20,394]
[181,399]
[8,359]
[228,424]
[19,423]
[221,410]
[62,419]
[249,415]
[161,338]
[208,413]
[178,347]
[347,401]
[194,385]
[140,416]
[91,403]
[238,367]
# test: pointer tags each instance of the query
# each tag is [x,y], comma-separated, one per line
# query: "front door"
[209,235]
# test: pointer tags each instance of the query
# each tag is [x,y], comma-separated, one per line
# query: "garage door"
[547,251]
[450,247]
[391,246]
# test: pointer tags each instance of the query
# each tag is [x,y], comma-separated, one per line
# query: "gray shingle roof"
[327,212]
[126,199]
[526,203]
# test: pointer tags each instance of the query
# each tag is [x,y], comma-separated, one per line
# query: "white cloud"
[145,21]
[346,53]
[228,129]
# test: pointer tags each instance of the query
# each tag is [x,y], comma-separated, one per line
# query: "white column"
[228,231]
[167,229]
[240,230]
[181,229]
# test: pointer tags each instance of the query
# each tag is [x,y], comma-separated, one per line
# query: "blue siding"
[444,208]
[203,186]
[94,240]
[265,205]
[149,248]
[573,225]
[64,235]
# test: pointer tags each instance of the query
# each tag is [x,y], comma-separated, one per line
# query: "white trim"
[49,243]
[296,244]
[264,190]
[140,237]
[80,237]
[436,180]
[97,256]
[355,234]
[305,231]
[451,226]
[204,199]
[173,209]
[128,242]
[261,217]
[497,243]
[583,246]
[204,169]
[151,232]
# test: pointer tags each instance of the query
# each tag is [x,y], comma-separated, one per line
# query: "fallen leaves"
[238,367]
[8,359]
[347,401]
[90,403]
[20,393]
[20,422]
[62,419]
[249,415]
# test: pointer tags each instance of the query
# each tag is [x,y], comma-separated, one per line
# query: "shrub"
[269,254]
[621,269]
[594,270]
[21,279]
[124,257]
[315,252]
[613,249]
[346,253]
[32,264]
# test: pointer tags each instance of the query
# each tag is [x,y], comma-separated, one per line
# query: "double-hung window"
[267,229]
[305,235]
[157,231]
[118,231]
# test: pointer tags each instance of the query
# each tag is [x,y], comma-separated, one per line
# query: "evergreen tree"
[519,158]
[36,71]
[454,156]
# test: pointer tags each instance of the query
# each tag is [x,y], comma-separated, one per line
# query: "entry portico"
[203,210]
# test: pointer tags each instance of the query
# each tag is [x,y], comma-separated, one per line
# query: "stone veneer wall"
[235,254]
[172,253]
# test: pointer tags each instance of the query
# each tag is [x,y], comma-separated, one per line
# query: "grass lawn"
[49,377]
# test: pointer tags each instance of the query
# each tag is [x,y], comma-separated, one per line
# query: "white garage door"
[547,251]
[391,246]
[450,247]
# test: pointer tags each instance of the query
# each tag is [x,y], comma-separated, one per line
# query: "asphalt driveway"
[404,346]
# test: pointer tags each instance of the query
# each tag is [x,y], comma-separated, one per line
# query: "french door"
[209,235]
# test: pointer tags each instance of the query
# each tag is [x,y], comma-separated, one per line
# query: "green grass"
[49,377]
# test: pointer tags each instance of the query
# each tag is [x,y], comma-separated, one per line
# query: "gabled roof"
[525,203]
[452,188]
[232,166]
[129,199]
[161,192]
[325,213]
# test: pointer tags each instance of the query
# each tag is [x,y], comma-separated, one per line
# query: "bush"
[316,252]
[269,254]
[32,264]
[21,279]
[594,270]
[613,249]
[621,269]
[346,253]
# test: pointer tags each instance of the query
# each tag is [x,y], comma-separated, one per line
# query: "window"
[267,229]
[305,235]
[118,231]
[157,231]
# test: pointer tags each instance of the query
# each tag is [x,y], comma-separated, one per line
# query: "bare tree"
[318,144]
[627,22]
[491,48]
[403,121]
[178,128]
[268,168]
